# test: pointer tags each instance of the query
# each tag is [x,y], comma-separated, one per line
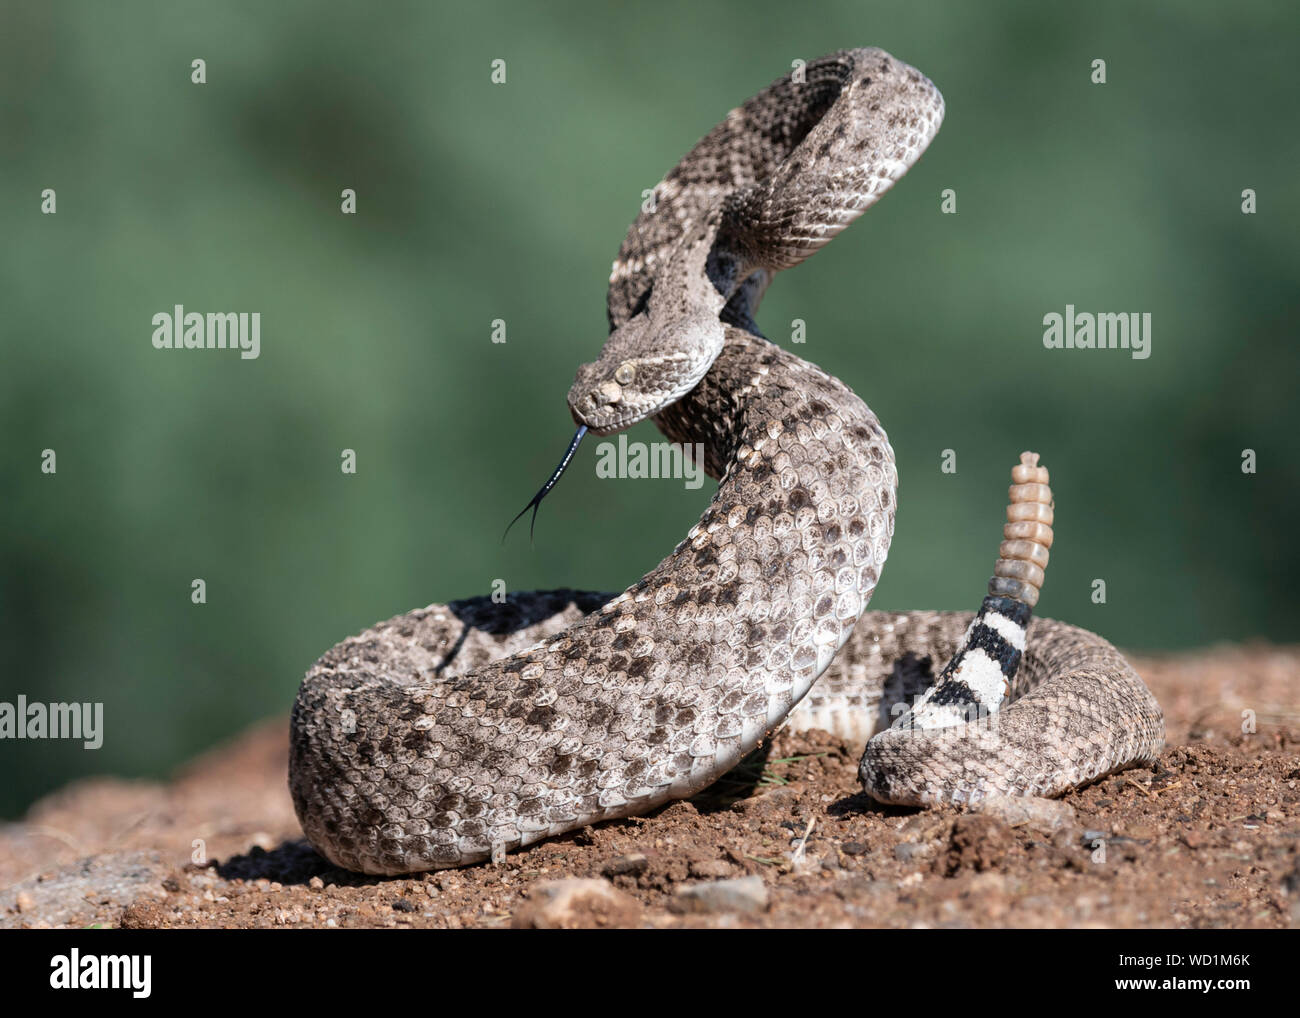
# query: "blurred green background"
[479,202]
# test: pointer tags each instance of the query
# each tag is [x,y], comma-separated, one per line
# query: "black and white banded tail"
[978,678]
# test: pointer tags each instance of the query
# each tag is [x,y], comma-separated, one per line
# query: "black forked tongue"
[536,503]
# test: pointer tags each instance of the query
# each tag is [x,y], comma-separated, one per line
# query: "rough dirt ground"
[1208,837]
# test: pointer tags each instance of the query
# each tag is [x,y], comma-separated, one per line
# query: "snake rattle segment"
[456,733]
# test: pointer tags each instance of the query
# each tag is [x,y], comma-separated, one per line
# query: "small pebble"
[1043,815]
[710,869]
[743,894]
[626,865]
[575,903]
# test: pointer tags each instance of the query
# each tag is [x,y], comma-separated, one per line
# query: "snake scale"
[456,733]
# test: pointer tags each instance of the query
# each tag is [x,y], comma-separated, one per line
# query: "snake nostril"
[606,393]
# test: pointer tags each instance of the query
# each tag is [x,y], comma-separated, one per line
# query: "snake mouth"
[608,408]
[603,406]
[604,424]
[603,409]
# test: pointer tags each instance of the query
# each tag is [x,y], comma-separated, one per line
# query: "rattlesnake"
[456,733]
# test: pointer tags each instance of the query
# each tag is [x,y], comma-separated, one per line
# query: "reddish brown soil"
[1207,837]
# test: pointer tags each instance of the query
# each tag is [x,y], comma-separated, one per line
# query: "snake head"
[645,366]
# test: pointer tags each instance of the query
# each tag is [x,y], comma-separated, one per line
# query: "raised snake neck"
[450,735]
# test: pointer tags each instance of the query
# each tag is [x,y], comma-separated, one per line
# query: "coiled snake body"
[456,733]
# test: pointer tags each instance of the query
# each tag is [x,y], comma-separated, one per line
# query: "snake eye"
[625,373]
